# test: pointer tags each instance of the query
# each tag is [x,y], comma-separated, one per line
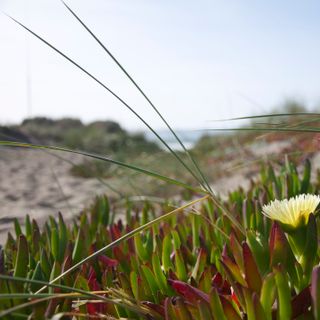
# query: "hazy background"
[197,60]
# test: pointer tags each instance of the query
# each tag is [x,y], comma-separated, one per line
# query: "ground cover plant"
[244,257]
[193,265]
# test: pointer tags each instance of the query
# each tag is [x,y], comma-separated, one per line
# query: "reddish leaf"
[119,255]
[223,286]
[278,246]
[91,308]
[315,292]
[257,307]
[168,310]
[156,307]
[94,286]
[236,250]
[235,298]
[253,277]
[115,232]
[217,280]
[190,293]
[301,303]
[108,262]
[229,311]
[233,270]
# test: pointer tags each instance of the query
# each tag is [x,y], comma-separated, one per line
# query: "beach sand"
[39,183]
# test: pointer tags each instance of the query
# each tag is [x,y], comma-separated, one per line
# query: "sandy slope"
[37,183]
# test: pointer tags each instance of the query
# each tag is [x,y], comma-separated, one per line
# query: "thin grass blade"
[114,95]
[271,115]
[94,156]
[142,93]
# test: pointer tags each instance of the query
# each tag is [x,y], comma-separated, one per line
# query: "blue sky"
[197,60]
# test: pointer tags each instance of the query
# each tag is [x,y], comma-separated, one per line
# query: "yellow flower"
[294,212]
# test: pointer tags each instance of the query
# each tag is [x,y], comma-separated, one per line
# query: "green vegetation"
[208,258]
[102,137]
[210,151]
[193,265]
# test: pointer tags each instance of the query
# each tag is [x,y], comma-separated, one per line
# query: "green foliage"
[228,262]
[102,137]
[175,271]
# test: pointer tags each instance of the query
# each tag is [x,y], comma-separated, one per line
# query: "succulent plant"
[192,265]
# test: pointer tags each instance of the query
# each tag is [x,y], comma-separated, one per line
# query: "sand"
[36,183]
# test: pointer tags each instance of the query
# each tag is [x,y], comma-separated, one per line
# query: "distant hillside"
[12,134]
[99,137]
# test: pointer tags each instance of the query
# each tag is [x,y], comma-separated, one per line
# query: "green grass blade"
[271,115]
[52,285]
[113,94]
[116,301]
[266,129]
[98,157]
[39,295]
[26,305]
[142,93]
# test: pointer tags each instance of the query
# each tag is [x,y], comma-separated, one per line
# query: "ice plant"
[185,268]
[295,215]
[294,212]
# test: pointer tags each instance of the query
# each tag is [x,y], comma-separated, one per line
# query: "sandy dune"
[37,183]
